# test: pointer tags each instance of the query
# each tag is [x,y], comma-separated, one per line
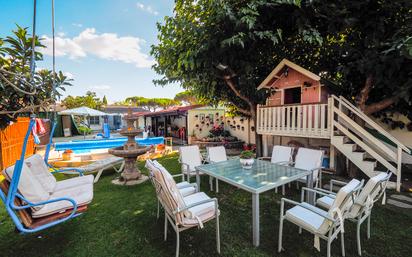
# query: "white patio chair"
[362,207]
[309,159]
[281,155]
[190,158]
[184,187]
[184,212]
[216,154]
[323,224]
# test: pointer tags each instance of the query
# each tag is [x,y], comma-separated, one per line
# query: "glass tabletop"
[262,177]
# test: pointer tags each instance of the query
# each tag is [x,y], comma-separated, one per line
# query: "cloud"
[108,46]
[146,8]
[100,87]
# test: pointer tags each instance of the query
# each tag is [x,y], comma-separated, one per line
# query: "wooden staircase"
[358,145]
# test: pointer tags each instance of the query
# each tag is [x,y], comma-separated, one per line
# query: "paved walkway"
[401,201]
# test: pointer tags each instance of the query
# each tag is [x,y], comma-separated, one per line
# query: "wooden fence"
[11,142]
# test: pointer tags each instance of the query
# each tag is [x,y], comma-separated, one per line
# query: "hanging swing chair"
[32,197]
[35,200]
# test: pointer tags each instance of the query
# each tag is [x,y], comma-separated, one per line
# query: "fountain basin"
[129,153]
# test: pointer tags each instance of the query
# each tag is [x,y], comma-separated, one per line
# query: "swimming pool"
[83,146]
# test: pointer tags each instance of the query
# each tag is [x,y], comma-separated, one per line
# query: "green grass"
[121,221]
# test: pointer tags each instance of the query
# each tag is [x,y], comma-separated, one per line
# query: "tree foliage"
[151,104]
[222,50]
[19,94]
[89,100]
[187,97]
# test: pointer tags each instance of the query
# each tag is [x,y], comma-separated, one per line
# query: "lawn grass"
[121,221]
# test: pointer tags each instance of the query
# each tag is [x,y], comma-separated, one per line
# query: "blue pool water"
[84,146]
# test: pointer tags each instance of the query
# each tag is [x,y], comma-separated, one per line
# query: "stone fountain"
[130,151]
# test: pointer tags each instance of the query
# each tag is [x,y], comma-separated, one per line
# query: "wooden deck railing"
[307,120]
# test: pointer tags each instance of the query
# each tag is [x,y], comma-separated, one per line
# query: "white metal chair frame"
[366,207]
[337,223]
[186,170]
[170,216]
[317,179]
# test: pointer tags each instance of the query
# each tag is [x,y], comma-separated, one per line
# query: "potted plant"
[247,159]
[68,155]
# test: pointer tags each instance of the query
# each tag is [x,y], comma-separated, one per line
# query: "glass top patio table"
[263,175]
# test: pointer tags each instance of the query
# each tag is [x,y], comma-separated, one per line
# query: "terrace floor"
[121,221]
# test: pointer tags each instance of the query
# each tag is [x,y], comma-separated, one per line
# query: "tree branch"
[379,106]
[364,93]
[231,84]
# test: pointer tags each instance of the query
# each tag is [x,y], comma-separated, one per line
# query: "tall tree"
[89,100]
[221,50]
[104,101]
[151,104]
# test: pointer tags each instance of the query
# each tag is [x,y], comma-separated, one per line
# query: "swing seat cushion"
[28,185]
[82,195]
[41,172]
[74,182]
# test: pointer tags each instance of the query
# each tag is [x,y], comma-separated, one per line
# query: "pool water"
[85,146]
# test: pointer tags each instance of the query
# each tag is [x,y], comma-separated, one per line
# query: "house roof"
[275,73]
[170,111]
[122,109]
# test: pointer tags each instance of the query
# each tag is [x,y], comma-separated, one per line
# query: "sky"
[104,45]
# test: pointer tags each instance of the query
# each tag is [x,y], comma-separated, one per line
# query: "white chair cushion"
[281,154]
[187,191]
[217,154]
[190,155]
[73,182]
[182,184]
[204,212]
[29,186]
[81,195]
[307,219]
[326,201]
[41,172]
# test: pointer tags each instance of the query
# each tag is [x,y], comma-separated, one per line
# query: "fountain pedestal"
[130,151]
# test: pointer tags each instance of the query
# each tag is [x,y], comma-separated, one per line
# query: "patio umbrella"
[83,111]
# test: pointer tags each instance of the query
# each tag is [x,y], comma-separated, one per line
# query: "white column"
[265,145]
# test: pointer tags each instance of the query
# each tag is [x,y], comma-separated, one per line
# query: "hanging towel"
[38,129]
[41,129]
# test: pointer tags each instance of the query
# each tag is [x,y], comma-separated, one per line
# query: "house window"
[292,95]
[94,120]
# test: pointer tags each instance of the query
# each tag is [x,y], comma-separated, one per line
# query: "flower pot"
[247,163]
[67,156]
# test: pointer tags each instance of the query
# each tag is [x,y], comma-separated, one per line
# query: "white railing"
[343,120]
[303,120]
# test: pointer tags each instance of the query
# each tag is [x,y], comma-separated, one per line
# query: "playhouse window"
[292,95]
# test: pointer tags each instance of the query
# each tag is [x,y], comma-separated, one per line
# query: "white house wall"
[203,130]
[246,135]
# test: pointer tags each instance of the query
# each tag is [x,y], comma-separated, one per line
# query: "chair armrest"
[68,169]
[317,211]
[178,175]
[31,204]
[178,210]
[324,191]
[302,196]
